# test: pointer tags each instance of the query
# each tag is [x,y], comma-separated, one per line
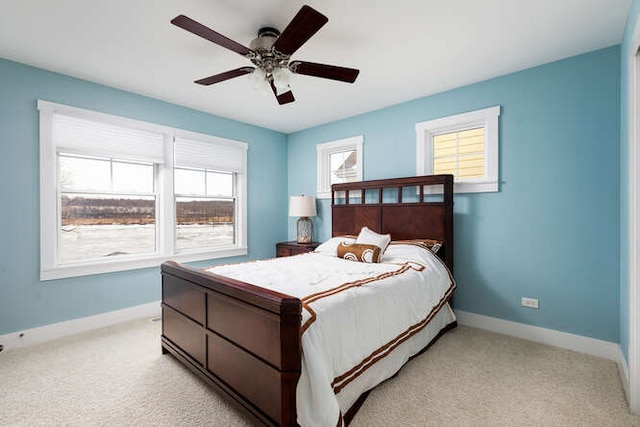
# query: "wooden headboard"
[406,208]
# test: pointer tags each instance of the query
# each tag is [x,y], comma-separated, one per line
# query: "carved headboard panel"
[406,208]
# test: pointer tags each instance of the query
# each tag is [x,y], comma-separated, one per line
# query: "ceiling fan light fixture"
[258,80]
[270,54]
[281,80]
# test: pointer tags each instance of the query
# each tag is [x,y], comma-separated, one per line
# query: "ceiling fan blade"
[283,98]
[325,71]
[217,78]
[305,24]
[198,29]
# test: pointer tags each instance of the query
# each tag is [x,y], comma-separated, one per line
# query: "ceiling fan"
[270,53]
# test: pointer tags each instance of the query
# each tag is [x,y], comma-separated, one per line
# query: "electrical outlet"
[530,302]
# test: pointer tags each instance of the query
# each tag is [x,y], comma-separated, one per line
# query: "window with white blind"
[205,179]
[464,145]
[119,194]
[338,162]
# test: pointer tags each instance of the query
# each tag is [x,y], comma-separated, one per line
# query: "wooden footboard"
[242,339]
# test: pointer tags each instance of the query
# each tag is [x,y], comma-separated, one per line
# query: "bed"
[256,345]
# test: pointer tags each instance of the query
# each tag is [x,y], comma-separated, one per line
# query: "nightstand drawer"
[294,248]
[282,251]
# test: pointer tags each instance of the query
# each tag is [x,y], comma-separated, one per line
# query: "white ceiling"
[405,49]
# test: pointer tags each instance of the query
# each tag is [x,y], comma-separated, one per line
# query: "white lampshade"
[302,206]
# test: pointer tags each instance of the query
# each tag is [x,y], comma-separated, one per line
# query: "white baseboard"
[592,346]
[58,330]
[623,368]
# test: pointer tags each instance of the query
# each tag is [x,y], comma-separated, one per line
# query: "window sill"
[323,195]
[467,187]
[475,187]
[76,270]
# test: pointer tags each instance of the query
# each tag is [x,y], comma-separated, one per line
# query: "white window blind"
[82,136]
[222,155]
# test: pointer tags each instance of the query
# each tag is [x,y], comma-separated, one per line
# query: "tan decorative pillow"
[432,244]
[360,252]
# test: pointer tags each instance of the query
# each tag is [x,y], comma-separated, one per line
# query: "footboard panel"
[256,330]
[241,338]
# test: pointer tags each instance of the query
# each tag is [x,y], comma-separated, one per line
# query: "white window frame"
[486,118]
[324,152]
[233,198]
[50,269]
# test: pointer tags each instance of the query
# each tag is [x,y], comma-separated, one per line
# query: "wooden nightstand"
[294,248]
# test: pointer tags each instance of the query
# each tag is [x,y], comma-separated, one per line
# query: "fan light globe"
[258,80]
[281,80]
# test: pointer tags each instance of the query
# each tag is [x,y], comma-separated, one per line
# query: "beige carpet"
[118,376]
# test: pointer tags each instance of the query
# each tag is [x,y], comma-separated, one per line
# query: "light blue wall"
[553,230]
[626,47]
[25,302]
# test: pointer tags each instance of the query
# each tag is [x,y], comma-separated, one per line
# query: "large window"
[205,194]
[338,162]
[464,145]
[118,194]
[107,208]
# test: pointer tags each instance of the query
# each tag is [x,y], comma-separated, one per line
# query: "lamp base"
[305,230]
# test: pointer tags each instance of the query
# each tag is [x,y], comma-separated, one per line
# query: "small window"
[339,162]
[464,145]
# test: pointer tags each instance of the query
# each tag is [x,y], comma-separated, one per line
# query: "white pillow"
[369,237]
[330,247]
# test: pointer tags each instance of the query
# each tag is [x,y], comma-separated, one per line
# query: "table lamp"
[303,207]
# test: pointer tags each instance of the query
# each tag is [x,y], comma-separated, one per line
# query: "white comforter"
[353,314]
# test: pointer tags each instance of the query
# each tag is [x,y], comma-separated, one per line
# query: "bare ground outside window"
[101,226]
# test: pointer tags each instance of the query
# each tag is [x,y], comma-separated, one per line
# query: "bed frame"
[245,340]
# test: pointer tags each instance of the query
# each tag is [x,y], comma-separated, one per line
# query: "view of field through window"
[205,208]
[108,208]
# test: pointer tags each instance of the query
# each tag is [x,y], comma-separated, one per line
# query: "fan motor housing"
[264,56]
[267,36]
